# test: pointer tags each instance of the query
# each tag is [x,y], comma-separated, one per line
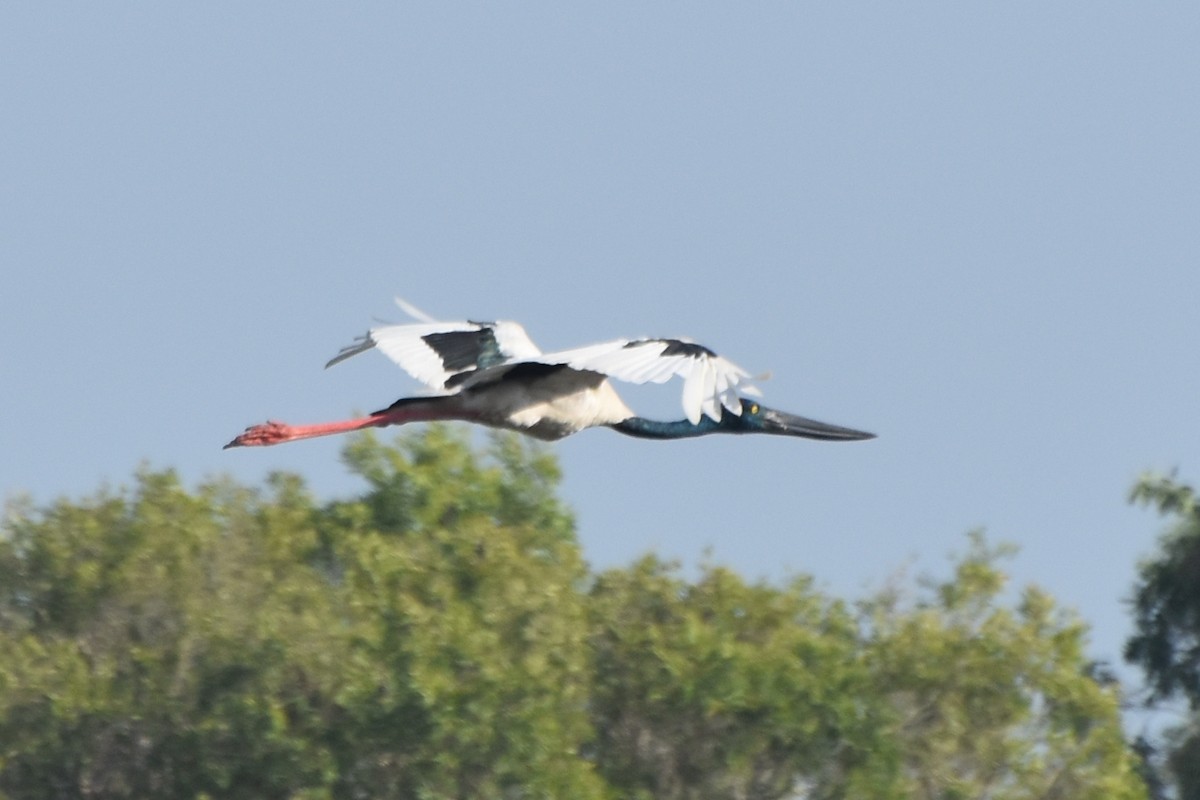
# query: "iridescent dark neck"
[655,429]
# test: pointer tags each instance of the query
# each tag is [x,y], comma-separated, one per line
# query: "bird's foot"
[262,435]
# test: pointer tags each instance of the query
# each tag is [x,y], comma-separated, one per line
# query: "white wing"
[434,352]
[452,356]
[710,383]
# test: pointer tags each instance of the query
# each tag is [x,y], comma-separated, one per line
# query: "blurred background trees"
[1166,607]
[440,636]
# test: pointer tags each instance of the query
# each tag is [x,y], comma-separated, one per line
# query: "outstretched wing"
[453,356]
[710,383]
[435,352]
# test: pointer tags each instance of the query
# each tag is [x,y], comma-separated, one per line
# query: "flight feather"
[454,356]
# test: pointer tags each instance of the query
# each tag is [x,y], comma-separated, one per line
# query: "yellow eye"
[754,408]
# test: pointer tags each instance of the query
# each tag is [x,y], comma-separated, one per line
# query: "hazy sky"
[975,231]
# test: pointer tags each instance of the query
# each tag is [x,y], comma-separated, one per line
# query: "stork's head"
[757,418]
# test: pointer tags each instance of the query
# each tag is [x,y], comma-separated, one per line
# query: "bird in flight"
[491,373]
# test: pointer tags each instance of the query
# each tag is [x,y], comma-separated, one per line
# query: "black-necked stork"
[491,373]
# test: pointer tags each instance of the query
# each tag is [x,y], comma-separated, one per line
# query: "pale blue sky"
[973,230]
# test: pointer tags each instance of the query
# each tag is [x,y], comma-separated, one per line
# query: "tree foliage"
[425,640]
[719,689]
[439,636]
[993,701]
[1166,605]
[1166,599]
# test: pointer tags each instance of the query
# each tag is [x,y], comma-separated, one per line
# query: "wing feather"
[711,384]
[435,352]
[453,356]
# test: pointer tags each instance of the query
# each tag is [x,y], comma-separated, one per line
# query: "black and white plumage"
[493,374]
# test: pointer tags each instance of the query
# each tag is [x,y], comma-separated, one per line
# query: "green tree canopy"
[440,637]
[719,689]
[1166,605]
[988,699]
[1166,599]
[425,640]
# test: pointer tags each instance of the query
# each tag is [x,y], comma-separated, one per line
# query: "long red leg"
[279,432]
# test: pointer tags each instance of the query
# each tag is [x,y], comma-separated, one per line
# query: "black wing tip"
[675,347]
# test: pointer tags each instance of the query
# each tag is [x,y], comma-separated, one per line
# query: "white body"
[547,408]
